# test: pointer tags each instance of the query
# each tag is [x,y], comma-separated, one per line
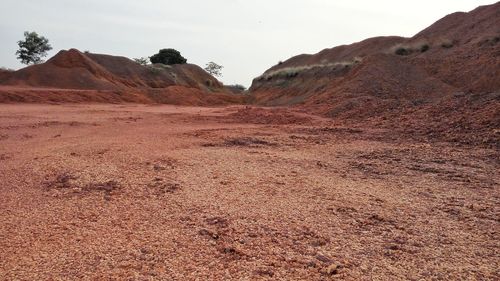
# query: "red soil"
[459,53]
[388,169]
[446,84]
[141,192]
[72,76]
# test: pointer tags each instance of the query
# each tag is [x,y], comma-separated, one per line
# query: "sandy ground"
[136,192]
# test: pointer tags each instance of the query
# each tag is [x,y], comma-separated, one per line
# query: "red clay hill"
[73,76]
[443,81]
[459,53]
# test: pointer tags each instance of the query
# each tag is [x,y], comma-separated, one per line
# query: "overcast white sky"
[245,36]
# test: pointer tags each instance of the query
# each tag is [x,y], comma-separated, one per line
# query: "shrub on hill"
[447,44]
[402,51]
[411,48]
[168,56]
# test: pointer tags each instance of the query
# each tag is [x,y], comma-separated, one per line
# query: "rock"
[158,167]
[333,269]
[322,258]
[311,264]
[208,233]
[265,272]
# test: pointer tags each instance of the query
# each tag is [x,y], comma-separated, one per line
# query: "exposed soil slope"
[157,76]
[459,53]
[66,70]
[449,69]
[75,76]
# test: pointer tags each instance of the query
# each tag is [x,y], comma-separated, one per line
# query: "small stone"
[333,269]
[311,264]
[158,167]
[322,258]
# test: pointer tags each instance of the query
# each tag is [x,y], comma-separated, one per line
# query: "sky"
[245,36]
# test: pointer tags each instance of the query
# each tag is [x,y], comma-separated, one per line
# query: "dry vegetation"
[290,72]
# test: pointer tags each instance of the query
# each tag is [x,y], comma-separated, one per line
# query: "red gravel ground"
[138,192]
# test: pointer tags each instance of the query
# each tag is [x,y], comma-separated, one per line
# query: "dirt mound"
[344,53]
[158,75]
[75,59]
[382,83]
[459,53]
[380,77]
[66,70]
[132,73]
[72,76]
[442,84]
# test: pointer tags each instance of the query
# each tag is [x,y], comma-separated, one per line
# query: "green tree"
[168,56]
[32,48]
[214,69]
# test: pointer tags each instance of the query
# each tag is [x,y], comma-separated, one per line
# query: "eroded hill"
[440,82]
[73,76]
[459,53]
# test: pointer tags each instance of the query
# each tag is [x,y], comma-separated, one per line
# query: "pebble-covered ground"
[137,192]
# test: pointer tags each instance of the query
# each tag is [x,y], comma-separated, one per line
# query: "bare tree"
[142,60]
[214,69]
